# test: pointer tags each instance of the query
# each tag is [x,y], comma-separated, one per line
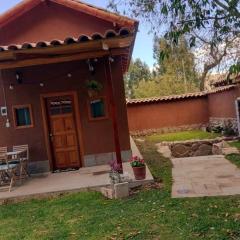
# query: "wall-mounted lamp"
[18,78]
[8,125]
[41,84]
[90,66]
[11,87]
[69,75]
[105,47]
[111,59]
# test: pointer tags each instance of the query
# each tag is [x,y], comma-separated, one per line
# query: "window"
[97,109]
[23,116]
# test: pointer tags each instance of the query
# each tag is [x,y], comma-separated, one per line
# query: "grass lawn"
[234,158]
[235,144]
[151,214]
[182,136]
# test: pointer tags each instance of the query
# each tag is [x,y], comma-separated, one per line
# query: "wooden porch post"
[108,71]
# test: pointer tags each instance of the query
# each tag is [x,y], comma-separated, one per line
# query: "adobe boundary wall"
[184,112]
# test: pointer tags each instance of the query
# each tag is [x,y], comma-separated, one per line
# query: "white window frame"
[237,102]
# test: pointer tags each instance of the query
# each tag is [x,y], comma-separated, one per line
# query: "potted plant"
[139,167]
[94,87]
[114,174]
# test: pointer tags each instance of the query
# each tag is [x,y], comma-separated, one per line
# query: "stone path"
[204,176]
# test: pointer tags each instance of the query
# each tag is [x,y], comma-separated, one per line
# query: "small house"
[62,64]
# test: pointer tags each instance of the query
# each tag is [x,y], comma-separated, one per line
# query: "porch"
[54,184]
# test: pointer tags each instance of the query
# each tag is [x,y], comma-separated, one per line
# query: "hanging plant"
[94,87]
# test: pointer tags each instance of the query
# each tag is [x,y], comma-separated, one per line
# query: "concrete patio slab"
[91,178]
[204,176]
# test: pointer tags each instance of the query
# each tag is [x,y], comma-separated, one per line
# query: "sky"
[144,43]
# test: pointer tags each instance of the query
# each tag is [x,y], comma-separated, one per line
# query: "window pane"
[97,108]
[61,107]
[23,117]
[67,106]
[55,108]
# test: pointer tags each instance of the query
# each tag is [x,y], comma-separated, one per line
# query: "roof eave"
[27,5]
[17,11]
[133,44]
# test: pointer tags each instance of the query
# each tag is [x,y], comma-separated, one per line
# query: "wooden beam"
[60,58]
[25,56]
[108,72]
[116,42]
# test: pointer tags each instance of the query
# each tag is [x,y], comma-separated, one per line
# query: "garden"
[150,212]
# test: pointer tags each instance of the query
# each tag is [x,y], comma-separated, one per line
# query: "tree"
[138,71]
[216,57]
[173,75]
[179,66]
[159,86]
[209,24]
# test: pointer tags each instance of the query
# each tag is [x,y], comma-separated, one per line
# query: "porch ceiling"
[71,49]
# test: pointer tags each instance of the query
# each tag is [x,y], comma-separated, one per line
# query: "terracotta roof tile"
[126,25]
[222,89]
[110,33]
[232,79]
[178,97]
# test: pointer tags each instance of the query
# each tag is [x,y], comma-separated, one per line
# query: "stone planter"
[139,172]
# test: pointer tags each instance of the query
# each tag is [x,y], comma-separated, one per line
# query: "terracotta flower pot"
[139,172]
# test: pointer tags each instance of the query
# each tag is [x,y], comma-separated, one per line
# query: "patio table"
[14,155]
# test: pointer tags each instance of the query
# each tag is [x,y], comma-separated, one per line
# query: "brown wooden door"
[63,132]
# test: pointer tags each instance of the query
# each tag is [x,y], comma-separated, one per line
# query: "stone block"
[126,155]
[121,190]
[216,149]
[89,161]
[108,192]
[230,123]
[195,146]
[180,150]
[204,150]
[104,158]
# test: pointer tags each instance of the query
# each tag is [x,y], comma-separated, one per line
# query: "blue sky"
[144,44]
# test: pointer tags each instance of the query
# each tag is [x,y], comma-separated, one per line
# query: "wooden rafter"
[60,58]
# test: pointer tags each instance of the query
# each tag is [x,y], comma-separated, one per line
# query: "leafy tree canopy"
[173,75]
[179,65]
[138,71]
[206,22]
[185,16]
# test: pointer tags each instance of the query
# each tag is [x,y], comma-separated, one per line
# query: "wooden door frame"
[43,97]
